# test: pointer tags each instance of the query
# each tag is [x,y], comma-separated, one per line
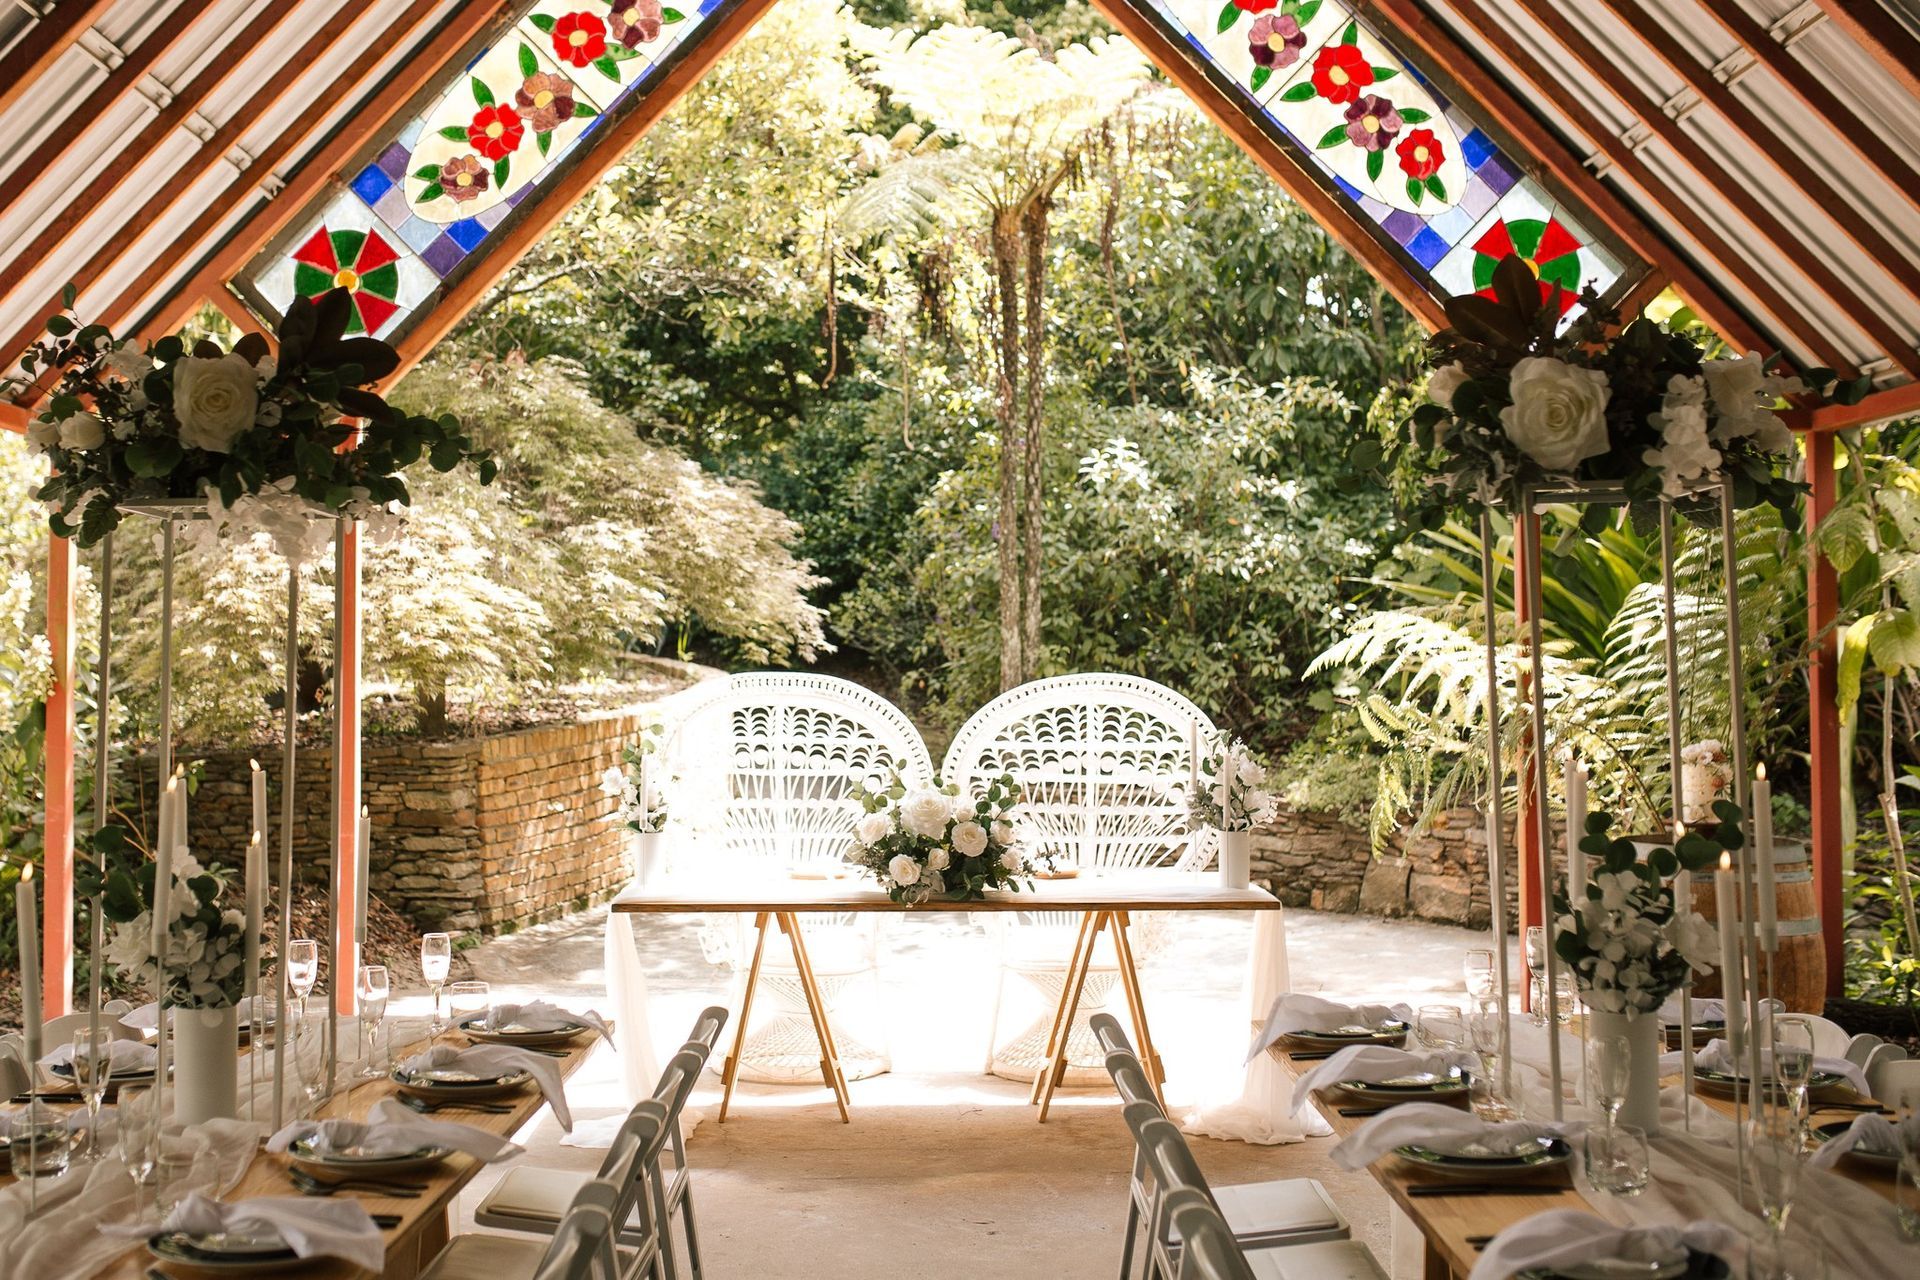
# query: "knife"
[1361,1111]
[1312,1055]
[1483,1189]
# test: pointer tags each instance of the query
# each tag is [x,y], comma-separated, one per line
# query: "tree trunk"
[1034,229]
[1007,527]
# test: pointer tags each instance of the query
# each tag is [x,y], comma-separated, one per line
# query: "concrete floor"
[943,1171]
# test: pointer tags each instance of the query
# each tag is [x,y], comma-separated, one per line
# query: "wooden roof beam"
[376,118]
[1859,134]
[108,178]
[1332,212]
[1553,154]
[1881,35]
[119,82]
[14,417]
[1761,220]
[1782,154]
[1902,401]
[52,35]
[1703,297]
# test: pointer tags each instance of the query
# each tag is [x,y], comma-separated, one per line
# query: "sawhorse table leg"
[1060,1038]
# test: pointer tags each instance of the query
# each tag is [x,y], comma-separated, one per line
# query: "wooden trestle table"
[1105,902]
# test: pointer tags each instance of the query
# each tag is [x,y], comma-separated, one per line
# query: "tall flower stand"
[1236,859]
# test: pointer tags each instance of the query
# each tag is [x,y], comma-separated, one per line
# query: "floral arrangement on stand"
[1630,942]
[639,782]
[259,437]
[1248,803]
[1516,402]
[205,944]
[930,841]
[1706,777]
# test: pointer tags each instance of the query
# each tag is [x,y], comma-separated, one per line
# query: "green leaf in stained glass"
[1331,137]
[1299,93]
[1258,80]
[1385,73]
[544,141]
[500,168]
[1414,115]
[431,192]
[529,65]
[346,246]
[427,173]
[620,53]
[1416,190]
[1351,35]
[1376,161]
[382,281]
[584,110]
[482,94]
[310,281]
[672,15]
[607,67]
[544,21]
[1228,16]
[454,133]
[1437,187]
[1302,10]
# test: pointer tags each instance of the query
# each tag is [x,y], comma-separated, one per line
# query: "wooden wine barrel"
[1800,968]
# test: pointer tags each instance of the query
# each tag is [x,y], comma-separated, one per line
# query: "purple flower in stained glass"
[1372,122]
[1276,40]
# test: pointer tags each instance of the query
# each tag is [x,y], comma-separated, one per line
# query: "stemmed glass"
[1485,1032]
[1437,1026]
[436,956]
[373,1008]
[469,1000]
[1609,1070]
[309,1047]
[92,1068]
[1478,968]
[1793,1064]
[1536,951]
[303,968]
[1773,1147]
[134,1118]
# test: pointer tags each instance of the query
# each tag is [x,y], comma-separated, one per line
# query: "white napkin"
[1561,1236]
[313,1227]
[130,1057]
[1711,1010]
[1373,1063]
[498,1060]
[1718,1056]
[147,1016]
[538,1015]
[1298,1012]
[1440,1127]
[1873,1133]
[391,1129]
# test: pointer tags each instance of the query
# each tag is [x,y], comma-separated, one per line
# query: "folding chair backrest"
[1208,1250]
[1106,1028]
[677,1080]
[582,1247]
[706,1031]
[1169,1158]
[1130,1078]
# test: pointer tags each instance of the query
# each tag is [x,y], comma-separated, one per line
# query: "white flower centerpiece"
[927,842]
[1632,940]
[1228,794]
[1706,778]
[258,437]
[639,785]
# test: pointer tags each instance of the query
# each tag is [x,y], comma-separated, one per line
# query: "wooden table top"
[1145,890]
[421,1232]
[1452,1224]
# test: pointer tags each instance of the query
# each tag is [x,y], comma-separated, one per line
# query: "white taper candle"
[1726,899]
[1576,829]
[1763,859]
[26,902]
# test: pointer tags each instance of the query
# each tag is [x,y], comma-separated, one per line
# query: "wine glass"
[1793,1064]
[1478,968]
[1609,1069]
[310,1058]
[134,1118]
[1486,1032]
[1535,947]
[1617,1160]
[1438,1026]
[92,1064]
[303,968]
[436,956]
[470,1000]
[373,1007]
[1773,1146]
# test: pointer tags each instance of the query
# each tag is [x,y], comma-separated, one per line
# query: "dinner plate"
[1543,1155]
[475,1029]
[1702,1032]
[1695,1266]
[334,1163]
[1887,1162]
[443,1083]
[1393,1033]
[1724,1084]
[1425,1084]
[223,1254]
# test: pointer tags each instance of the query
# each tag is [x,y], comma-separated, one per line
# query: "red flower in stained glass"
[1421,154]
[579,39]
[636,22]
[1254,6]
[463,178]
[1547,247]
[495,132]
[1340,73]
[358,261]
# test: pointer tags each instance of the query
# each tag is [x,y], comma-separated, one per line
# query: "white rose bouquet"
[206,941]
[256,436]
[926,842]
[640,782]
[1631,942]
[1515,400]
[1706,778]
[1249,803]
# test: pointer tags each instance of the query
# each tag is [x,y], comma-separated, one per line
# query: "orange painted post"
[1526,828]
[1823,718]
[56,926]
[346,766]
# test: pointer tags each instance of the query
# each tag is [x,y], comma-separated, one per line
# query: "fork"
[423,1106]
[310,1185]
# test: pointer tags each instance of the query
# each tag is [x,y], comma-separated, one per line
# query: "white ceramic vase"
[206,1064]
[1236,859]
[1642,1034]
[649,856]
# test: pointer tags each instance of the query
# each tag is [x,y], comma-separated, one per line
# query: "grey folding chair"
[1208,1250]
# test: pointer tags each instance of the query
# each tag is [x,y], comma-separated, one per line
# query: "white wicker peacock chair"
[767,769]
[1104,760]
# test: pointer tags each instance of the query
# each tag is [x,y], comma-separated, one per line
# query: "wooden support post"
[346,767]
[1823,717]
[56,903]
[1526,827]
[731,1070]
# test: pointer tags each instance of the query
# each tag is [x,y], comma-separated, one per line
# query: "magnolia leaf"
[1853,661]
[1845,535]
[1894,642]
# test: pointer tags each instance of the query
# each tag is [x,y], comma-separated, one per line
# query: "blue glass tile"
[419,233]
[1452,224]
[1427,248]
[1402,226]
[410,136]
[467,232]
[1475,148]
[1347,189]
[1496,175]
[372,183]
[442,256]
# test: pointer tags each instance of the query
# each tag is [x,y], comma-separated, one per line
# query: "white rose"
[873,828]
[1010,860]
[1695,938]
[613,782]
[970,839]
[1558,414]
[1003,833]
[926,813]
[215,401]
[43,435]
[904,870]
[964,807]
[1248,770]
[939,860]
[1446,380]
[1735,384]
[129,364]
